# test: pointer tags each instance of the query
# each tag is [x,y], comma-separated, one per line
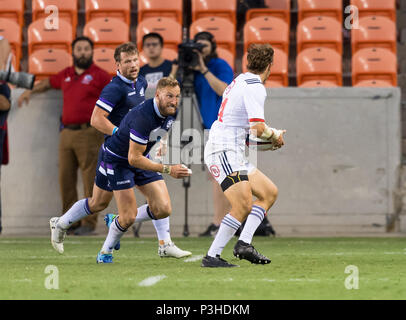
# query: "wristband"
[204,73]
[166,169]
[114,130]
[271,134]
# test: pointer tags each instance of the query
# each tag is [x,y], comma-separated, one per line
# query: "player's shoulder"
[251,82]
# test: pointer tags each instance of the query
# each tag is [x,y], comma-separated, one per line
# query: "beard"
[82,62]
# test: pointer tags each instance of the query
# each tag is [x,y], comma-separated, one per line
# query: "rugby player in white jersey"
[242,112]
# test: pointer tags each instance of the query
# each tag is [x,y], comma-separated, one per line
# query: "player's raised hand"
[279,142]
[180,171]
[24,98]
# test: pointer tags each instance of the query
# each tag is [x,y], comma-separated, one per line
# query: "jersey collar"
[157,109]
[125,79]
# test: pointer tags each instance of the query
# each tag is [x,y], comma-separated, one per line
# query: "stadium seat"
[215,8]
[107,32]
[374,31]
[319,32]
[67,9]
[222,29]
[168,28]
[13,9]
[319,64]
[330,8]
[318,84]
[46,62]
[104,58]
[160,8]
[279,69]
[376,8]
[276,8]
[227,56]
[108,9]
[374,84]
[374,64]
[40,37]
[11,30]
[273,84]
[267,30]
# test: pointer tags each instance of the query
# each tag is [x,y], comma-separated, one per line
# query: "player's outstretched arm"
[137,159]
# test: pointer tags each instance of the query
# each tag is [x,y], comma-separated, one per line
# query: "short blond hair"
[167,82]
[259,57]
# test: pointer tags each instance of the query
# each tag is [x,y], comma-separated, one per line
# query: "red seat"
[41,37]
[222,30]
[276,8]
[168,28]
[374,64]
[67,9]
[270,30]
[279,69]
[214,8]
[319,64]
[96,9]
[160,8]
[385,8]
[104,58]
[330,8]
[227,56]
[273,84]
[374,84]
[46,62]
[318,84]
[107,32]
[11,30]
[319,32]
[13,9]
[374,31]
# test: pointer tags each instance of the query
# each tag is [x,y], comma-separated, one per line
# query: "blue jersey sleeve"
[139,130]
[110,96]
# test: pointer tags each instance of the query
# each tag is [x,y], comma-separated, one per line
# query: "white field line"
[148,282]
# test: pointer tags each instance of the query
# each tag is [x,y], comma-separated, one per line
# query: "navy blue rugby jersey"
[120,96]
[144,125]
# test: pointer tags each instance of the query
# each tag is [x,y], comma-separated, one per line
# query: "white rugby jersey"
[243,102]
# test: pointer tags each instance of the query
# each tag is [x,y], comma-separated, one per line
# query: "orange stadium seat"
[276,8]
[168,54]
[168,28]
[12,9]
[279,69]
[374,64]
[160,8]
[374,84]
[107,32]
[209,8]
[67,9]
[104,58]
[273,84]
[222,30]
[385,8]
[40,37]
[108,8]
[11,30]
[143,59]
[267,30]
[319,64]
[331,8]
[318,84]
[319,32]
[227,56]
[46,62]
[374,31]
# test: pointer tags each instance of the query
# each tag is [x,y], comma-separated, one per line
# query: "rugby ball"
[259,144]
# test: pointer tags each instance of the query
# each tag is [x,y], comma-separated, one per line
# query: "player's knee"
[127,220]
[270,196]
[97,206]
[163,210]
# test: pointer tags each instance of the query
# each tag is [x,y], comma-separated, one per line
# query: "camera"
[188,58]
[19,79]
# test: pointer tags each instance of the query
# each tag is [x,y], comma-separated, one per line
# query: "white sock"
[253,221]
[114,236]
[229,225]
[162,229]
[77,212]
[144,214]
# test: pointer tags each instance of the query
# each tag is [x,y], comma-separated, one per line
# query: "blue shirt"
[208,100]
[141,125]
[153,75]
[120,96]
[4,91]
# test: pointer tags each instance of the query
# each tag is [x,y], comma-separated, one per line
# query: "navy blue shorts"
[121,175]
[101,174]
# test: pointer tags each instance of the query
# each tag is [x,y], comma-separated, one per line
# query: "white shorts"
[221,164]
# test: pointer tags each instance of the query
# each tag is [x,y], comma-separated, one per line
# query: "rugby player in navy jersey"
[127,163]
[125,91]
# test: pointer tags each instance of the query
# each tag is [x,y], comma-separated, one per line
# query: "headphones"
[204,35]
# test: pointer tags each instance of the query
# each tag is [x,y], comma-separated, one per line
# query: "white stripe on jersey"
[137,139]
[104,105]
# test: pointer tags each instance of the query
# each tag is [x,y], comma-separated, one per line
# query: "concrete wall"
[339,171]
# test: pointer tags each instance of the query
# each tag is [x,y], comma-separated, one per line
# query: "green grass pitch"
[301,268]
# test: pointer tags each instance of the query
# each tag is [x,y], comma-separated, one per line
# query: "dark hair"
[127,47]
[259,57]
[153,35]
[82,39]
[204,35]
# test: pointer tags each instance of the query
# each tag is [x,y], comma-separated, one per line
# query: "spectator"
[79,144]
[157,67]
